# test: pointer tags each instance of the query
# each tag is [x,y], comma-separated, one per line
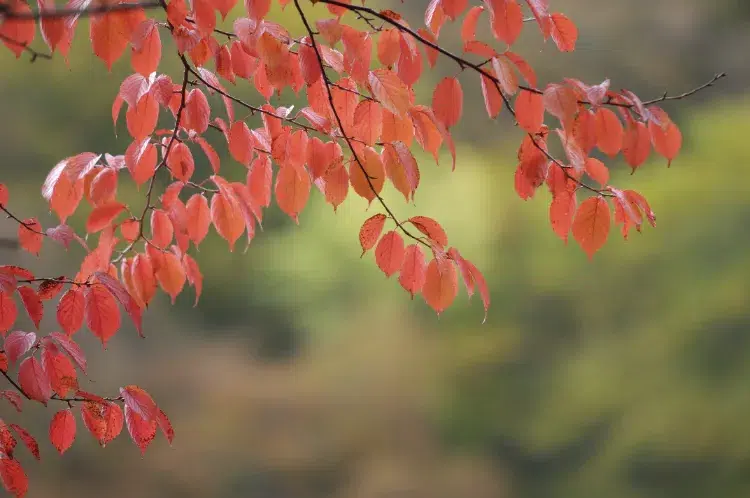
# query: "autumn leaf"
[62,430]
[370,232]
[441,285]
[447,101]
[389,253]
[591,224]
[413,270]
[102,313]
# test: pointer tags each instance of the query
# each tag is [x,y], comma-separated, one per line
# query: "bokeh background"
[303,373]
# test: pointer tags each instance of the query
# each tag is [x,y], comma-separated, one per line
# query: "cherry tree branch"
[361,166]
[6,12]
[27,226]
[34,53]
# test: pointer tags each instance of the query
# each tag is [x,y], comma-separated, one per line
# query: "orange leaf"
[609,132]
[430,228]
[103,419]
[17,33]
[29,235]
[171,274]
[103,216]
[636,144]
[507,20]
[389,253]
[367,183]
[529,111]
[141,431]
[591,224]
[441,285]
[162,229]
[564,32]
[413,270]
[110,34]
[370,232]
[390,91]
[292,191]
[199,218]
[469,26]
[227,218]
[447,101]
[597,170]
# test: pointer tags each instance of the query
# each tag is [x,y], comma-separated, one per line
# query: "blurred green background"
[303,373]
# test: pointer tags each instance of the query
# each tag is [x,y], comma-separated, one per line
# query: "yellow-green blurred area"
[304,373]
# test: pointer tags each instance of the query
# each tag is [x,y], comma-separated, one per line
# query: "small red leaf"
[62,430]
[32,303]
[389,254]
[370,232]
[70,311]
[591,224]
[27,439]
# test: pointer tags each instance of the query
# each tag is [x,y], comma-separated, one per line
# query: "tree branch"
[7,13]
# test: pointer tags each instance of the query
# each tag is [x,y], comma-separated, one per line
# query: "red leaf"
[430,228]
[597,170]
[62,430]
[370,232]
[103,419]
[17,33]
[30,235]
[469,26]
[60,371]
[413,270]
[27,440]
[32,303]
[226,215]
[166,426]
[18,344]
[636,145]
[146,51]
[199,218]
[102,313]
[33,380]
[3,362]
[447,101]
[529,111]
[389,253]
[8,312]
[142,432]
[13,477]
[109,35]
[591,224]
[441,285]
[70,310]
[561,212]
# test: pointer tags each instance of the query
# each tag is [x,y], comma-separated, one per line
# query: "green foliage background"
[304,373]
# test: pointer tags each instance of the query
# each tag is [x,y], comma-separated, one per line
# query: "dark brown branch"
[7,13]
[27,226]
[34,53]
[695,90]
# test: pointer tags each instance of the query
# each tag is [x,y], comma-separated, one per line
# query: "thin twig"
[7,13]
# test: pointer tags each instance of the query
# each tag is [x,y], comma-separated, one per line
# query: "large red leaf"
[591,224]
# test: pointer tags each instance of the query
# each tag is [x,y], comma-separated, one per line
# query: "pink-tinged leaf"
[34,381]
[18,344]
[390,91]
[493,100]
[103,419]
[561,212]
[441,285]
[27,439]
[370,232]
[139,401]
[389,253]
[32,303]
[146,49]
[597,170]
[62,430]
[102,313]
[70,347]
[591,224]
[70,310]
[194,276]
[413,270]
[13,397]
[123,296]
[141,431]
[64,235]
